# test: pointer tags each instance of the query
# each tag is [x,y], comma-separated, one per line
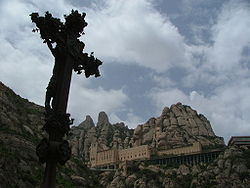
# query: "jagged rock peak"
[177,126]
[87,123]
[102,119]
[165,111]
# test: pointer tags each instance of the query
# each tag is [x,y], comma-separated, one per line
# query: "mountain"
[20,131]
[178,126]
[230,170]
[108,135]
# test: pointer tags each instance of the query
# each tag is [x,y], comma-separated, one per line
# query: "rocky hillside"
[106,134]
[177,126]
[20,131]
[230,170]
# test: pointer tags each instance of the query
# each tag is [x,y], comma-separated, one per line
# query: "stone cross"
[62,40]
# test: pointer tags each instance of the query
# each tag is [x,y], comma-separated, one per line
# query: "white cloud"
[222,59]
[23,71]
[132,121]
[134,32]
[218,66]
[26,63]
[167,97]
[85,101]
[230,35]
[163,81]
[227,109]
[129,31]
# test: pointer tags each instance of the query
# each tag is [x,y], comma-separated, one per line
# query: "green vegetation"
[38,173]
[246,156]
[150,175]
[23,134]
[6,154]
[170,166]
[133,168]
[213,147]
[62,182]
[210,184]
[244,175]
[110,176]
[19,166]
[184,181]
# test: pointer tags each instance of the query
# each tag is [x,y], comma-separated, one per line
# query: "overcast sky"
[155,52]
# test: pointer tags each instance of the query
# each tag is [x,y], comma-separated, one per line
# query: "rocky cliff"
[106,134]
[20,131]
[177,126]
[230,170]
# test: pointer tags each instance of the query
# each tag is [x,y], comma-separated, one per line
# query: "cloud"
[26,63]
[230,35]
[214,77]
[227,109]
[23,71]
[85,101]
[167,97]
[135,32]
[163,81]
[218,83]
[226,57]
[131,119]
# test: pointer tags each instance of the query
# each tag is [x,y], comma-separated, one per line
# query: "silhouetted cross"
[62,40]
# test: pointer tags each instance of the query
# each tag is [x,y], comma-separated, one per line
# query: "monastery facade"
[100,158]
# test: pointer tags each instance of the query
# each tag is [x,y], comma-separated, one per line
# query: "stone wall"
[108,157]
[135,153]
[113,156]
[102,158]
[93,154]
[195,148]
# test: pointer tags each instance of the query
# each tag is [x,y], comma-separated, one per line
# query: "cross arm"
[89,64]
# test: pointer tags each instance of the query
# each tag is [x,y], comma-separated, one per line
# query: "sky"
[155,53]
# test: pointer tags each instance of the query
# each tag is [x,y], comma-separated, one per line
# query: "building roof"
[239,140]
